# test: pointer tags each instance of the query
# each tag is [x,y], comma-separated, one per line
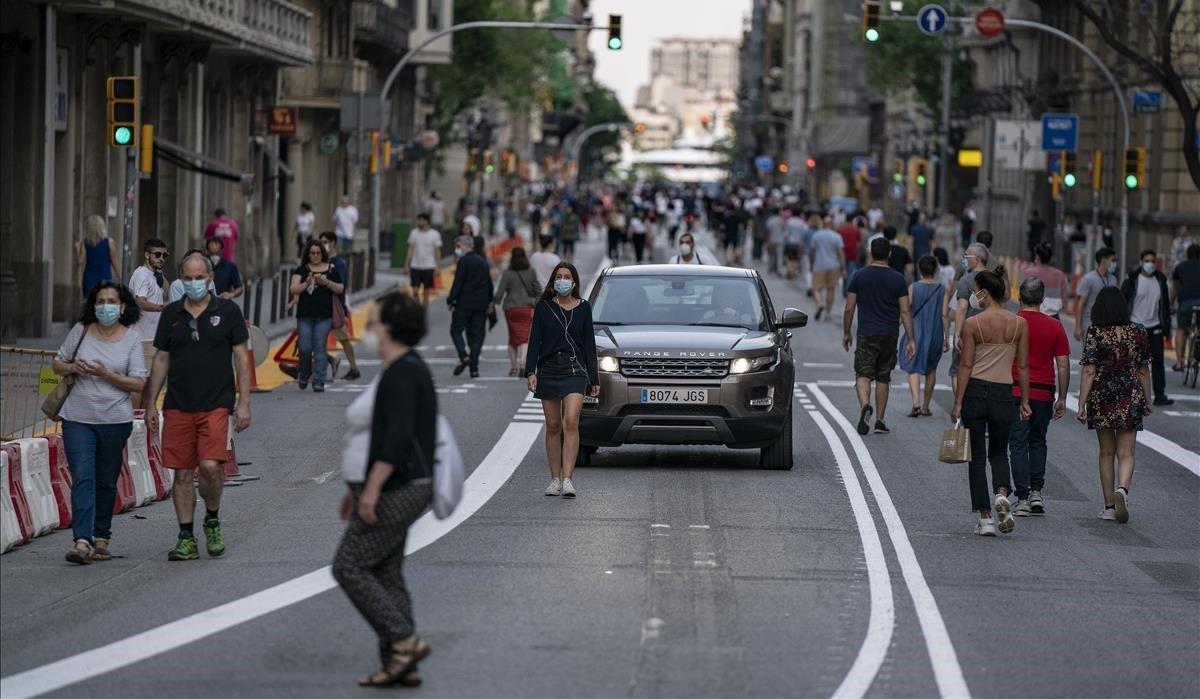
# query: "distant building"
[701,64]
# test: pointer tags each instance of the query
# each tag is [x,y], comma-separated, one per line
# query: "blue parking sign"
[1060,131]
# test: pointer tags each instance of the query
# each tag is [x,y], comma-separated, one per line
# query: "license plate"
[674,395]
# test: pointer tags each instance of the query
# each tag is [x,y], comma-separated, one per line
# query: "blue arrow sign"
[1060,131]
[764,163]
[931,20]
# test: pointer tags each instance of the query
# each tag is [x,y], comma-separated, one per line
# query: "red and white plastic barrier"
[137,457]
[13,530]
[35,477]
[60,479]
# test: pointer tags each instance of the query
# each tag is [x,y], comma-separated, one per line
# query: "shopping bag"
[449,472]
[956,445]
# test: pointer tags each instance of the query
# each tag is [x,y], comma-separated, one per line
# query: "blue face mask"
[562,287]
[195,289]
[965,264]
[108,313]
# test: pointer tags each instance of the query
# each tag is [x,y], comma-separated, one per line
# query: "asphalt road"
[677,572]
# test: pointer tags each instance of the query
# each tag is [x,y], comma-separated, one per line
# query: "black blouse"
[550,329]
[404,426]
[316,301]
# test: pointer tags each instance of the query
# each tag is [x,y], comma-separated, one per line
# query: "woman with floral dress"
[1112,394]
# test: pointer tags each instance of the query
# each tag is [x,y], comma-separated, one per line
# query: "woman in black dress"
[561,367]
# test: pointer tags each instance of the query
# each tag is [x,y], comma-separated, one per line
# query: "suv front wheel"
[778,456]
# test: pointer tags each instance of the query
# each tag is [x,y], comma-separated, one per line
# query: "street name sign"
[1147,101]
[931,19]
[1060,131]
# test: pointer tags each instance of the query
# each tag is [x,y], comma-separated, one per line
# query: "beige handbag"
[54,401]
[956,445]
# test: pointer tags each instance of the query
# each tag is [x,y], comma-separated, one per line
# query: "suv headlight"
[745,365]
[609,364]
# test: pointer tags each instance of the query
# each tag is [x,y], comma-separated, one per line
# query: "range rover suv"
[691,354]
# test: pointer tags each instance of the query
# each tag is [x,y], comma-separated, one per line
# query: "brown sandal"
[101,552]
[81,553]
[399,664]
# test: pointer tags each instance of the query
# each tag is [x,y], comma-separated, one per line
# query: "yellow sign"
[47,381]
[972,157]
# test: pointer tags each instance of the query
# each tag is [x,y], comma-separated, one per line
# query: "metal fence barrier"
[28,376]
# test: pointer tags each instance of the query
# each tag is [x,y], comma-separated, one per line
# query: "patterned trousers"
[369,561]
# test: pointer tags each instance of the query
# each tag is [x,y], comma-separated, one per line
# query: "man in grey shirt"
[975,259]
[1090,285]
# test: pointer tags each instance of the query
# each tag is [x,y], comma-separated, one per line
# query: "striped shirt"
[94,400]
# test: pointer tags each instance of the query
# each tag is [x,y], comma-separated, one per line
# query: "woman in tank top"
[97,254]
[992,341]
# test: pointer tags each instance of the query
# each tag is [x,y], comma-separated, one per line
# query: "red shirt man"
[851,239]
[224,228]
[1047,342]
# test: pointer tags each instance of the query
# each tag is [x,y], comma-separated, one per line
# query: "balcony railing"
[381,26]
[276,29]
[323,82]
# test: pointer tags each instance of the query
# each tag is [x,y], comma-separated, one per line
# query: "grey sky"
[646,21]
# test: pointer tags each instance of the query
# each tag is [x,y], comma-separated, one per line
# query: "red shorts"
[189,438]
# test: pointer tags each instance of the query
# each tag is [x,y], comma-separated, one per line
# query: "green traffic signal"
[489,168]
[1131,182]
[614,43]
[921,180]
[122,135]
[871,35]
[1069,180]
[897,177]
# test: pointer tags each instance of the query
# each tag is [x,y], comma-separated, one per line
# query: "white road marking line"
[946,669]
[529,418]
[881,623]
[698,526]
[497,467]
[1182,413]
[1184,457]
[660,526]
[823,365]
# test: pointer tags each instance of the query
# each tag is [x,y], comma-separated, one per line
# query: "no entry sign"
[989,22]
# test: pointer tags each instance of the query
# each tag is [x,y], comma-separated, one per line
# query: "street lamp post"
[577,146]
[384,110]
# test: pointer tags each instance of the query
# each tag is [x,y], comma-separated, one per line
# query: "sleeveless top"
[994,360]
[98,266]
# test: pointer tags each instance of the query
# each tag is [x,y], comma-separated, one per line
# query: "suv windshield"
[678,300]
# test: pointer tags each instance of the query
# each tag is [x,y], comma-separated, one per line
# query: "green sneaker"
[213,539]
[185,550]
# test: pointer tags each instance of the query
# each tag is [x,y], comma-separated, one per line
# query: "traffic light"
[1066,167]
[122,110]
[1135,168]
[614,33]
[921,178]
[488,165]
[472,161]
[870,21]
[783,168]
[639,128]
[897,170]
[811,163]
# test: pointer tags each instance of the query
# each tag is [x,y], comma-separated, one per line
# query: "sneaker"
[474,373]
[302,384]
[352,375]
[1022,509]
[1109,514]
[213,540]
[318,389]
[555,487]
[1004,519]
[881,428]
[863,418]
[185,550]
[568,488]
[1163,400]
[985,527]
[1121,501]
[1036,506]
[461,367]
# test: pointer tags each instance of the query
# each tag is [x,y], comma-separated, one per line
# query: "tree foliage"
[1162,39]
[603,107]
[509,65]
[904,59]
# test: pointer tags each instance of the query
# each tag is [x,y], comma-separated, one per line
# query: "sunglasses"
[195,330]
[160,254]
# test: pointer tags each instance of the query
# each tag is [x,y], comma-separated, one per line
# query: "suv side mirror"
[792,318]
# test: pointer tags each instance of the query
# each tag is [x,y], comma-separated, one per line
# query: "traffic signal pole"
[384,105]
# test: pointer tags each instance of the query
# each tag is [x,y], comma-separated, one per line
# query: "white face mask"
[685,249]
[974,302]
[369,342]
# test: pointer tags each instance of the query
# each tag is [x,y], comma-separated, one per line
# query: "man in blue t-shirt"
[342,332]
[881,297]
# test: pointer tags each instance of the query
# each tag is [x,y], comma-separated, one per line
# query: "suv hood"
[670,341]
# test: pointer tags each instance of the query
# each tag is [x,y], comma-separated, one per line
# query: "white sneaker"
[1022,509]
[1004,519]
[1037,505]
[1109,515]
[1121,500]
[985,527]
[568,488]
[555,487]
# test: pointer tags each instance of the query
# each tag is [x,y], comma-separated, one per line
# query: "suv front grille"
[658,409]
[675,368]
